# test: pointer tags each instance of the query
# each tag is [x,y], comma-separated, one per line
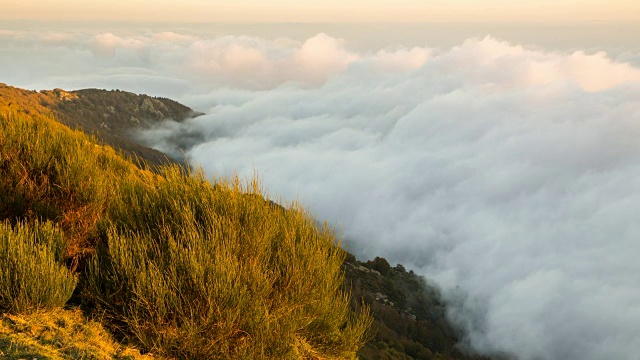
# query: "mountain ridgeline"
[111,115]
[103,258]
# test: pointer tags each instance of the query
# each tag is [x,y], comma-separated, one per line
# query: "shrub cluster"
[50,172]
[182,266]
[32,271]
[186,258]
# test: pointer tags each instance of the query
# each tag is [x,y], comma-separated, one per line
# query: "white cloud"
[172,37]
[508,174]
[262,64]
[401,59]
[320,57]
[105,45]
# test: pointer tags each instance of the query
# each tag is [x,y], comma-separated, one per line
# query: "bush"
[380,264]
[32,272]
[195,270]
[48,171]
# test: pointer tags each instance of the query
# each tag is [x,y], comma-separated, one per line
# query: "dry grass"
[51,172]
[60,334]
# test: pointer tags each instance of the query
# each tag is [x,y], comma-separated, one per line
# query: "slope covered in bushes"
[409,314]
[174,263]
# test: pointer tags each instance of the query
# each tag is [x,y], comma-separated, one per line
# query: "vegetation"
[409,314]
[112,116]
[32,272]
[169,261]
[59,334]
[50,172]
[185,258]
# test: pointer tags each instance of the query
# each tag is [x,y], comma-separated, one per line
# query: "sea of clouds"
[508,175]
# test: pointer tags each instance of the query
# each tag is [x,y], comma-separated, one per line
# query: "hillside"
[409,314]
[113,116]
[104,207]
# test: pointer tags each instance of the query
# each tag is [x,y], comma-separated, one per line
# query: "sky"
[324,10]
[498,159]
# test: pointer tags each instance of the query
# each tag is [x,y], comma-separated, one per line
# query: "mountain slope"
[409,314]
[113,116]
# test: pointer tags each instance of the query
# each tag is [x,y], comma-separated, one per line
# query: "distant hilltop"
[112,115]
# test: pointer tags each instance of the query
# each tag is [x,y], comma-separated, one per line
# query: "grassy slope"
[187,234]
[31,145]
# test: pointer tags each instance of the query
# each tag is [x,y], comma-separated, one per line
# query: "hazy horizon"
[612,36]
[323,11]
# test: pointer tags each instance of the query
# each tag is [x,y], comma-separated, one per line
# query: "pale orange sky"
[323,10]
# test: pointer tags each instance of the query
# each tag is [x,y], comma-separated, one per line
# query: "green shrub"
[48,171]
[380,264]
[195,270]
[32,273]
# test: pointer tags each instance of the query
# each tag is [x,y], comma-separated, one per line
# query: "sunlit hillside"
[167,261]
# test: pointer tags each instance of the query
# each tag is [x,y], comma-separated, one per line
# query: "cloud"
[320,57]
[401,59]
[105,45]
[228,61]
[172,37]
[507,174]
[231,61]
[262,64]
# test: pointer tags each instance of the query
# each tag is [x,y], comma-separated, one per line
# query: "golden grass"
[59,334]
[51,172]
